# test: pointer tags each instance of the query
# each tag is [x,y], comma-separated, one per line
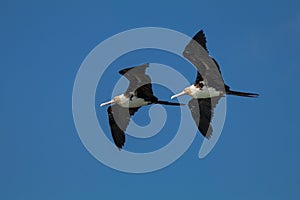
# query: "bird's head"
[201,84]
[185,91]
[116,99]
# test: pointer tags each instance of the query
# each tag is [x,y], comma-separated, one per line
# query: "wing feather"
[202,112]
[119,118]
[140,83]
[207,67]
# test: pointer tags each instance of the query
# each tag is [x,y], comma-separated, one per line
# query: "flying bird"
[139,93]
[208,87]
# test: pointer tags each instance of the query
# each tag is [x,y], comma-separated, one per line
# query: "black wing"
[201,39]
[119,118]
[202,111]
[207,67]
[140,83]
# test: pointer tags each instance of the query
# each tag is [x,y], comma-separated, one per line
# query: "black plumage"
[202,111]
[139,87]
[119,118]
[208,74]
[208,69]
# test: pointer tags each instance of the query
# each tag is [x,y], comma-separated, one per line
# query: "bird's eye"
[201,83]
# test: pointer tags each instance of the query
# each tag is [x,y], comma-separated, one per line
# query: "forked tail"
[169,103]
[242,94]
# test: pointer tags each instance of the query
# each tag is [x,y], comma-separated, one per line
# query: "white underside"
[133,103]
[205,92]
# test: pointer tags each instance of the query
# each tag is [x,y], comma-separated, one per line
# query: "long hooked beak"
[107,103]
[179,94]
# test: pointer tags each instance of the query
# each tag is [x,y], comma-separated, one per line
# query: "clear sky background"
[42,45]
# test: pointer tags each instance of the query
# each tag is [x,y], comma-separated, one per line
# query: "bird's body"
[131,102]
[202,92]
[139,93]
[208,87]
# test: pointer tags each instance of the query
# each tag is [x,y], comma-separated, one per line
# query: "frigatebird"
[208,87]
[139,93]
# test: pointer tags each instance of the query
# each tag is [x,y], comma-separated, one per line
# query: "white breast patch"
[133,103]
[205,92]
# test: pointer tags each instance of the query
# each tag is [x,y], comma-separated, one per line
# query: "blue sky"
[42,47]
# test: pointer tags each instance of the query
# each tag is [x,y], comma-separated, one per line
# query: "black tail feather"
[169,103]
[242,94]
